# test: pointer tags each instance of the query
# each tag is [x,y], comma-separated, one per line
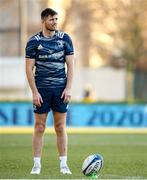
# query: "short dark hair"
[46,12]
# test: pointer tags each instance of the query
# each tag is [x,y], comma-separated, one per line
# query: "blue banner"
[79,115]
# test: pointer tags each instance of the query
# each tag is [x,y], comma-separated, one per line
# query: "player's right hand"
[37,99]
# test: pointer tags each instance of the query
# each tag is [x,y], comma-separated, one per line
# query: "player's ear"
[42,21]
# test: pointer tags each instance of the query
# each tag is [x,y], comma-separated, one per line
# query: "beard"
[50,29]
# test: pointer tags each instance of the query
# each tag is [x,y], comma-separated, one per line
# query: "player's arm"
[70,66]
[30,63]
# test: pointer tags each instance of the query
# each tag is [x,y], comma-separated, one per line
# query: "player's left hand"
[66,95]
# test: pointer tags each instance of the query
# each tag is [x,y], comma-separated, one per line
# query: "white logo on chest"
[40,47]
[60,43]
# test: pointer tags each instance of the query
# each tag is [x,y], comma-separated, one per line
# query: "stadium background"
[109,91]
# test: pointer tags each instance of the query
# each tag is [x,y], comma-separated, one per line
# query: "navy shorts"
[51,101]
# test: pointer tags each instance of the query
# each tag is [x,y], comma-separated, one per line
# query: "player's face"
[50,22]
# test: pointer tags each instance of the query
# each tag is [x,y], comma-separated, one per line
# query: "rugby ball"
[92,164]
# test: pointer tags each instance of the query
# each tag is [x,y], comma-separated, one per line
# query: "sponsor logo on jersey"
[54,56]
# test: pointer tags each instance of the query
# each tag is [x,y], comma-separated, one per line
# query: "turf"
[125,156]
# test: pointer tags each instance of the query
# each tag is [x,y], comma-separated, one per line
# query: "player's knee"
[40,128]
[59,128]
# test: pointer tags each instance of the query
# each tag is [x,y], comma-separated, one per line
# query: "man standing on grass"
[47,52]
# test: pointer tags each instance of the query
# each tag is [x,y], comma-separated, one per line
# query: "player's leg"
[37,141]
[59,124]
[60,128]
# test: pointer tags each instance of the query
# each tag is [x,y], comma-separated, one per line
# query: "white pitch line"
[122,177]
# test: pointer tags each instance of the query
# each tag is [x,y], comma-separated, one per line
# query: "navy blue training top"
[49,55]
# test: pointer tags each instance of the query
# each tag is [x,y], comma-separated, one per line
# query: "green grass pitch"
[125,156]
